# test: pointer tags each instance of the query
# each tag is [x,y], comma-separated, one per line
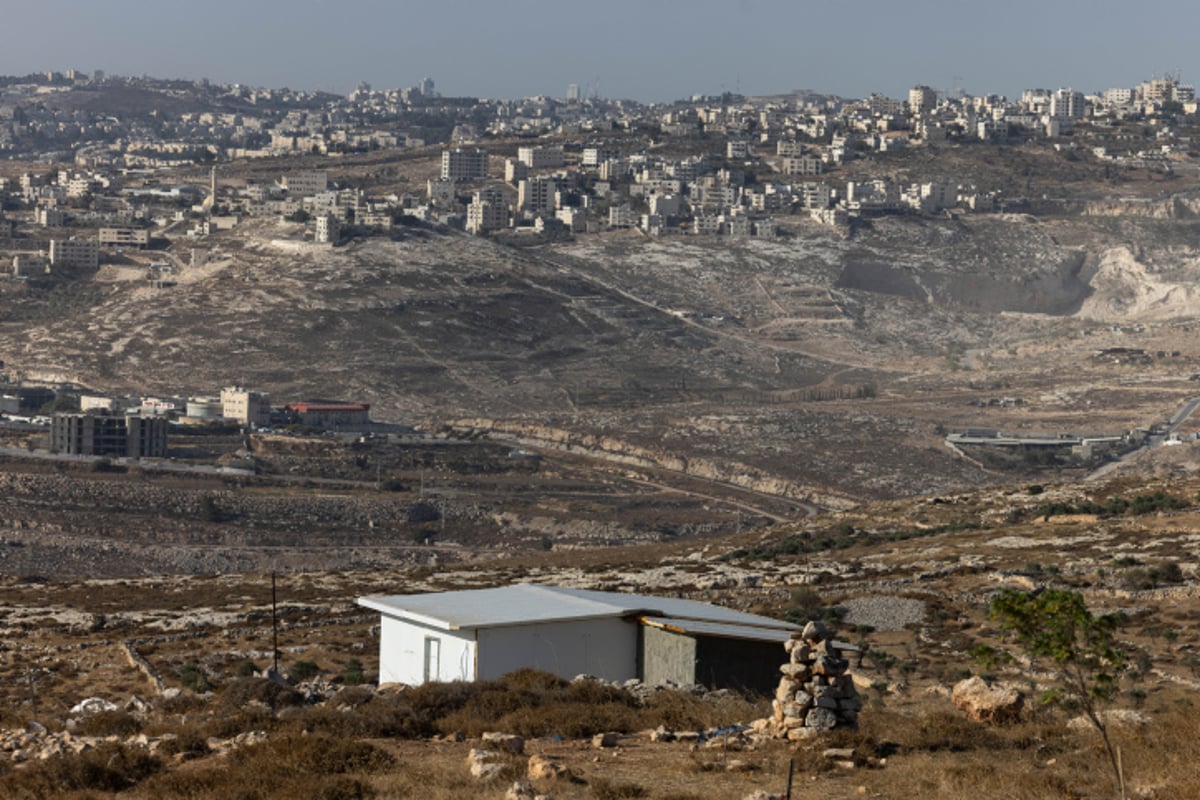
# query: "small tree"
[1056,625]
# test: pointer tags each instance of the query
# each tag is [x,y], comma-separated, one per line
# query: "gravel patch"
[883,612]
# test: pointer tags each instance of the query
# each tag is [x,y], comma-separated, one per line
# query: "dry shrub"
[182,703]
[382,717]
[352,697]
[569,720]
[534,680]
[282,768]
[228,725]
[107,768]
[189,741]
[242,691]
[109,723]
[681,710]
[604,789]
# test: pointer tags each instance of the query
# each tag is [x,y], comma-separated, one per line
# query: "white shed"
[483,634]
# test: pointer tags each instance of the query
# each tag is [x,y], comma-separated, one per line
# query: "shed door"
[433,655]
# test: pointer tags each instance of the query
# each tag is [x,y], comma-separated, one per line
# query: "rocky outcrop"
[626,453]
[983,703]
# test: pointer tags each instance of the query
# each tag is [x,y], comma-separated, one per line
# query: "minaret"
[211,200]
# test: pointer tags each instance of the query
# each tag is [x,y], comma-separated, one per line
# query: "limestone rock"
[508,742]
[543,768]
[483,764]
[982,703]
[520,790]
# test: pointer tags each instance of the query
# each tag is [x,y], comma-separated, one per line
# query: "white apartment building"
[1067,103]
[921,100]
[74,252]
[488,211]
[461,164]
[539,193]
[515,171]
[247,407]
[806,164]
[595,156]
[540,157]
[124,237]
[574,218]
[305,183]
[813,195]
[737,148]
[1118,96]
[329,229]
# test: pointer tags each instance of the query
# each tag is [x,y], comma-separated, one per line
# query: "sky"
[647,50]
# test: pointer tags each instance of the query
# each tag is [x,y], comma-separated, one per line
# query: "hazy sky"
[651,50]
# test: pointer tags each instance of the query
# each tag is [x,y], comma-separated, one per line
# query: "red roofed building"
[322,414]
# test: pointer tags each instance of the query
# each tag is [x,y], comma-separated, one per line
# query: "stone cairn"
[816,692]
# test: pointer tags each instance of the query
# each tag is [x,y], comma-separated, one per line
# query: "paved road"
[1180,416]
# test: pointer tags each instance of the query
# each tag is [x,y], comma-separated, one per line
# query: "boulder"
[543,768]
[520,790]
[992,704]
[604,740]
[483,764]
[508,742]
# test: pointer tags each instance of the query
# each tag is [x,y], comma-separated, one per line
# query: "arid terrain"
[758,423]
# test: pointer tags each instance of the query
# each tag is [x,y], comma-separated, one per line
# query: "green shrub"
[193,677]
[352,673]
[303,670]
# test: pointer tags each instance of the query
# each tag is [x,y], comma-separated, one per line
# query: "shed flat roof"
[724,630]
[524,603]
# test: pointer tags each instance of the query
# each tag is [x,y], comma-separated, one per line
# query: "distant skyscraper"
[573,92]
[426,87]
[98,75]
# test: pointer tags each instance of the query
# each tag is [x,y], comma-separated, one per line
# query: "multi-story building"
[488,211]
[49,217]
[805,164]
[515,171]
[461,164]
[621,217]
[306,183]
[540,157]
[1067,104]
[737,148]
[328,230]
[125,237]
[75,253]
[595,156]
[99,434]
[921,100]
[245,406]
[539,193]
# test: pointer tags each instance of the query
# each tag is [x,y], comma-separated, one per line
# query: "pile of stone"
[816,693]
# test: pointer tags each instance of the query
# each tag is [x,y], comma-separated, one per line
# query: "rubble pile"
[816,692]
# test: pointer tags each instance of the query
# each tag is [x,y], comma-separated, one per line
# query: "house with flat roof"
[482,634]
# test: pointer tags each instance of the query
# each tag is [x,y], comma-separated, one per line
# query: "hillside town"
[724,165]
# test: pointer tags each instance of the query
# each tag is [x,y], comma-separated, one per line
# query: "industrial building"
[321,414]
[482,634]
[100,434]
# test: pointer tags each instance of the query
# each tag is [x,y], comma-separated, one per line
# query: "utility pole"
[274,629]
